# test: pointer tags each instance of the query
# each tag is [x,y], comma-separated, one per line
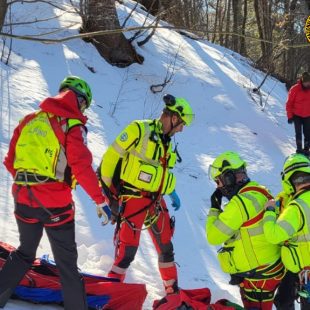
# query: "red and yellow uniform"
[253,263]
[48,147]
[146,159]
[79,159]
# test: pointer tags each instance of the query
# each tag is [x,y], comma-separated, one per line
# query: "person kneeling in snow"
[253,263]
[143,156]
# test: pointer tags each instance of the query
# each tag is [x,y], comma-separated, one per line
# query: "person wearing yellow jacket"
[253,263]
[291,229]
[136,169]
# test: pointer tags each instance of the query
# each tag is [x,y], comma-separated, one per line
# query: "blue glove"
[176,203]
[104,211]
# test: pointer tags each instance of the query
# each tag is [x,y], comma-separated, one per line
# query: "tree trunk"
[152,6]
[221,22]
[228,23]
[215,20]
[3,9]
[307,6]
[290,71]
[242,39]
[207,21]
[237,22]
[114,48]
[265,28]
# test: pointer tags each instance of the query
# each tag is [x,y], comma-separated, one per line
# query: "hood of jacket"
[64,105]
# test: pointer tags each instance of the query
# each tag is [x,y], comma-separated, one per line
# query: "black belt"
[138,193]
[263,274]
[27,177]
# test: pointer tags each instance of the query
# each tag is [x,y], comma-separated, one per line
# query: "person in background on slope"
[291,230]
[143,156]
[298,112]
[47,149]
[253,263]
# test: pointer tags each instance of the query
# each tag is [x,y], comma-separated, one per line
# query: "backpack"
[44,135]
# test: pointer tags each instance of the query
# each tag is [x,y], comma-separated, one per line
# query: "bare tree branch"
[42,1]
[157,88]
[36,20]
[129,15]
[107,32]
[141,43]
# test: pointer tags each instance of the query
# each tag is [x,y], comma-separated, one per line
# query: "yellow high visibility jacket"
[240,228]
[146,159]
[292,231]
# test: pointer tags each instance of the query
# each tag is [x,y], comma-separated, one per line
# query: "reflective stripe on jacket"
[246,244]
[292,230]
[146,160]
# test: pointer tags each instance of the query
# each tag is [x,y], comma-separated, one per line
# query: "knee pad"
[128,257]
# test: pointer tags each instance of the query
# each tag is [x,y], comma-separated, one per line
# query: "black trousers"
[287,293]
[62,241]
[302,127]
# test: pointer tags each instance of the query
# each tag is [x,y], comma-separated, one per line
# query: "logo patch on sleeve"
[124,137]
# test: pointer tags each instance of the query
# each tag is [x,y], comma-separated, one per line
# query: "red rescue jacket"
[298,101]
[79,158]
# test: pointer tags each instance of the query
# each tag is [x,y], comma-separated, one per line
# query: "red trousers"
[128,237]
[259,294]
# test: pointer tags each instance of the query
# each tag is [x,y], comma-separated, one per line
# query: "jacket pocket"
[169,183]
[226,260]
[291,257]
[148,177]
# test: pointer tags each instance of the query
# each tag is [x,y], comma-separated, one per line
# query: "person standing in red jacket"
[298,112]
[47,153]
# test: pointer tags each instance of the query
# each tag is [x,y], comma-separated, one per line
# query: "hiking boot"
[5,296]
[306,152]
[299,151]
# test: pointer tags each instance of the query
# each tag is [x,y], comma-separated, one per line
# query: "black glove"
[216,199]
[290,120]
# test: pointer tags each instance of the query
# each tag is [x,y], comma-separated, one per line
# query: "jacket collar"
[64,105]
